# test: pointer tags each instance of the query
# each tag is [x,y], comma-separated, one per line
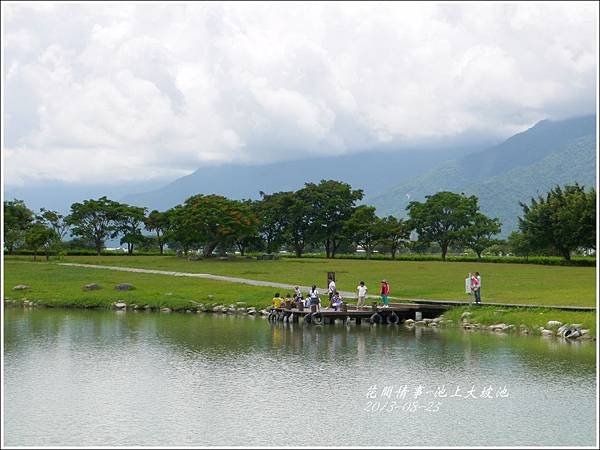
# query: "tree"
[38,237]
[564,219]
[364,228]
[129,221]
[271,215]
[330,203]
[207,221]
[297,226]
[17,219]
[518,244]
[478,234]
[395,234]
[95,220]
[442,218]
[179,232]
[158,222]
[54,220]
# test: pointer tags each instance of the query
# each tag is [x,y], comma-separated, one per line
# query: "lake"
[125,378]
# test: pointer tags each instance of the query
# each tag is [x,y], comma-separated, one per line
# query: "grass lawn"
[63,286]
[509,283]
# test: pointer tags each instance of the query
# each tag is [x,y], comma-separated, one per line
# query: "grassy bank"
[502,283]
[530,318]
[59,286]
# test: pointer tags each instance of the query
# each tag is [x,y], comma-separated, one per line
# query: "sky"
[119,92]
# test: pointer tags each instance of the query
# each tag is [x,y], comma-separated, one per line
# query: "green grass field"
[508,283]
[55,285]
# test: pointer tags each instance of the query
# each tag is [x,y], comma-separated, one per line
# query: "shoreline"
[515,321]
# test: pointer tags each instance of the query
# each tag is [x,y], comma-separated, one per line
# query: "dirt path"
[209,276]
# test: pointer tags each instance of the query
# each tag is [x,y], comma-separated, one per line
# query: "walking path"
[345,294]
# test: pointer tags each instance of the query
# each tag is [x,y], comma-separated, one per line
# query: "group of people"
[335,298]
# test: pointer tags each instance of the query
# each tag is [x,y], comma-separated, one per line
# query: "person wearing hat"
[385,291]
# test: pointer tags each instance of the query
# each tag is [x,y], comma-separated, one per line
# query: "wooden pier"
[396,313]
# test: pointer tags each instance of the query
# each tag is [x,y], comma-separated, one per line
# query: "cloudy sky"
[127,92]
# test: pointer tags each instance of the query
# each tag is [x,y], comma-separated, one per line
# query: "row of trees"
[324,216]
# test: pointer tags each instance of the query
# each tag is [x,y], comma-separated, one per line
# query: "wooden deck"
[396,313]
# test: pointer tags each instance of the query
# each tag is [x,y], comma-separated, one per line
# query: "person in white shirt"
[314,297]
[362,294]
[331,289]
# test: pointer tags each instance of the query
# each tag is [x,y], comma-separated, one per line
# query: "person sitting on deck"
[336,301]
[277,301]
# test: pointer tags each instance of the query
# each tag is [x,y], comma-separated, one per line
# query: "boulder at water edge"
[120,305]
[91,287]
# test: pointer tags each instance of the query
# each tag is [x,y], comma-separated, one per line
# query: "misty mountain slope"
[374,172]
[565,153]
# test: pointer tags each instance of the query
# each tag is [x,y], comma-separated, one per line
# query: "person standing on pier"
[314,297]
[476,287]
[385,291]
[297,294]
[362,294]
[331,290]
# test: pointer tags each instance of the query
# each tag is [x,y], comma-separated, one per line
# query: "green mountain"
[524,166]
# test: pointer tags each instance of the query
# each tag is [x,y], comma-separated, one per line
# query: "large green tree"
[158,222]
[40,237]
[364,228]
[478,235]
[565,218]
[297,221]
[271,214]
[54,220]
[17,219]
[129,222]
[330,204]
[395,234]
[208,221]
[442,218]
[95,220]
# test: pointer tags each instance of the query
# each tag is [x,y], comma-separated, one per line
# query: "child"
[336,301]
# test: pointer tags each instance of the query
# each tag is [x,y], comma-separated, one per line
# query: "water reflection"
[72,375]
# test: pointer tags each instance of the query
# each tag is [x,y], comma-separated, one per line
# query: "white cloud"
[126,92]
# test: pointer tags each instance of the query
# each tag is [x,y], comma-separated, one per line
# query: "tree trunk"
[98,243]
[34,255]
[478,255]
[160,242]
[327,249]
[369,251]
[393,253]
[444,247]
[209,248]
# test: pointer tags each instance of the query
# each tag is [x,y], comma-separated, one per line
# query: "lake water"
[110,378]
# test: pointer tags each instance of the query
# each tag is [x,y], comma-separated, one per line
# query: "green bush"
[584,261]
